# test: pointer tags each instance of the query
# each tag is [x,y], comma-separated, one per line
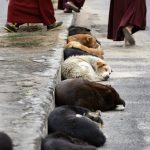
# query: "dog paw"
[120,107]
[95,116]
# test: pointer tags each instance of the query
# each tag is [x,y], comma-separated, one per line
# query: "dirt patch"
[29,36]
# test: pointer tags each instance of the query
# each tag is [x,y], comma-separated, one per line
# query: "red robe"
[78,3]
[123,13]
[31,11]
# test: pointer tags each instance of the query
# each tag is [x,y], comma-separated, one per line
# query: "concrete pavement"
[130,129]
[30,68]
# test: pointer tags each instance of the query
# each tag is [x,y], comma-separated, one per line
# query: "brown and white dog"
[87,67]
[84,39]
[85,42]
[91,95]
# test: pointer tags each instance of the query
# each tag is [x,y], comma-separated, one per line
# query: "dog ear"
[88,39]
[100,63]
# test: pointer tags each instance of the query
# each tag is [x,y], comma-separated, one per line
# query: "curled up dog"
[87,67]
[73,128]
[91,95]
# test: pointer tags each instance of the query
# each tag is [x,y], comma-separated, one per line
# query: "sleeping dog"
[72,121]
[73,30]
[78,30]
[68,52]
[94,51]
[87,67]
[91,95]
[5,142]
[61,141]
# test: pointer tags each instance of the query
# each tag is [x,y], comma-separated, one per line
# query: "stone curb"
[27,98]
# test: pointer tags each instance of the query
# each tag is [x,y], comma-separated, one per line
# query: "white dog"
[87,67]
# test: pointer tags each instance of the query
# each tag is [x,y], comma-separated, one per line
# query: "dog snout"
[106,77]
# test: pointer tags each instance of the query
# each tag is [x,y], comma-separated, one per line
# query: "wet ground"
[129,129]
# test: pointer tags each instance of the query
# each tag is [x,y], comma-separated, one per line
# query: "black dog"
[71,121]
[61,141]
[91,95]
[73,52]
[5,142]
[78,30]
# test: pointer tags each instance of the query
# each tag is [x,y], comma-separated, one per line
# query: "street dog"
[87,67]
[78,30]
[73,30]
[68,52]
[84,39]
[93,51]
[91,95]
[61,141]
[5,142]
[72,121]
[86,43]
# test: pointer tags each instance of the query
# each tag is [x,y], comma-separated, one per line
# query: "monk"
[125,18]
[30,11]
[69,5]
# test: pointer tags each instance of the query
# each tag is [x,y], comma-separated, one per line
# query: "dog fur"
[5,142]
[84,39]
[61,141]
[74,44]
[68,52]
[71,121]
[91,95]
[87,67]
[78,30]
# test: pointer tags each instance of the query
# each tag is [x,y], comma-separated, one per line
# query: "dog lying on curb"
[68,52]
[91,95]
[75,44]
[5,142]
[85,39]
[72,30]
[61,141]
[85,42]
[87,67]
[72,121]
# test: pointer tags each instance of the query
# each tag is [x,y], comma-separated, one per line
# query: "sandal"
[11,27]
[70,5]
[128,37]
[54,25]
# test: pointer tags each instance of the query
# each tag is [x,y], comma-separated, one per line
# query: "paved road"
[3,12]
[130,129]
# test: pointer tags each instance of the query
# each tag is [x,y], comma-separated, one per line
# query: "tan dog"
[75,44]
[87,67]
[85,39]
[86,43]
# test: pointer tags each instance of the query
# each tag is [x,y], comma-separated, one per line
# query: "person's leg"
[48,14]
[133,19]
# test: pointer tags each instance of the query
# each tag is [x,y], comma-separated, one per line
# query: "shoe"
[128,37]
[70,5]
[54,25]
[11,27]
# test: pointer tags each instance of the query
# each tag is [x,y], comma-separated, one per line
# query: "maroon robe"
[78,3]
[123,13]
[31,11]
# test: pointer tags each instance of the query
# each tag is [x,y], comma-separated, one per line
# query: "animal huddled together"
[75,123]
[83,56]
